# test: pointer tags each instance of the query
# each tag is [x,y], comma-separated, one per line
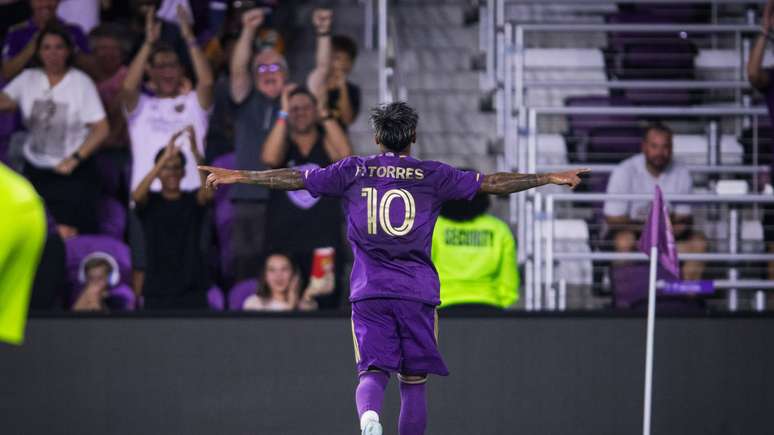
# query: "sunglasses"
[270,68]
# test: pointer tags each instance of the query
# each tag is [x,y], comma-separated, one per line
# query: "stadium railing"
[492,28]
[544,290]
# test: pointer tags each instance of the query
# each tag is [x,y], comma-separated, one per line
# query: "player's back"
[392,204]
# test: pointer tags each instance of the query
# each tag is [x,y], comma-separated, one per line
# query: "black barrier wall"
[510,375]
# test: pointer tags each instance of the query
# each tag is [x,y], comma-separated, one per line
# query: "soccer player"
[392,202]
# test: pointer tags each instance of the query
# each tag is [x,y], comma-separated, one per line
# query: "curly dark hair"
[395,125]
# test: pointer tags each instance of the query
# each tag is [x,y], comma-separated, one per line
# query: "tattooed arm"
[279,179]
[502,183]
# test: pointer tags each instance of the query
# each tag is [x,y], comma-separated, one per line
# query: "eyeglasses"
[270,68]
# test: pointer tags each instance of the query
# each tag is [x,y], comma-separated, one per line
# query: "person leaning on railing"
[761,80]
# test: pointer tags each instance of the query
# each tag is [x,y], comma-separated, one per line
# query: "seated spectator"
[154,118]
[279,288]
[19,47]
[475,255]
[640,174]
[343,95]
[257,82]
[172,223]
[762,80]
[306,140]
[97,277]
[109,50]
[66,125]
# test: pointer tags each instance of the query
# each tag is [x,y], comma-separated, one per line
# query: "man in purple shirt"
[392,202]
[19,45]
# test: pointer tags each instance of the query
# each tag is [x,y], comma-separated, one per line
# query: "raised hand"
[285,99]
[66,166]
[252,19]
[568,178]
[220,176]
[152,27]
[322,18]
[184,22]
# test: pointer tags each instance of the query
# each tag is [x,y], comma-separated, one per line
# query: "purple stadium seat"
[241,291]
[77,248]
[580,125]
[224,216]
[215,299]
[112,217]
[613,144]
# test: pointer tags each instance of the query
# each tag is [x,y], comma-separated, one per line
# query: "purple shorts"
[396,336]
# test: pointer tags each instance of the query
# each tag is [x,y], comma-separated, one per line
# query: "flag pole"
[646,411]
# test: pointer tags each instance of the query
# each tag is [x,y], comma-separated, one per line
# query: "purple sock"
[370,392]
[413,409]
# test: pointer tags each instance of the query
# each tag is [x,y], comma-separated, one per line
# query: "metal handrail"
[551,256]
[640,84]
[703,169]
[649,28]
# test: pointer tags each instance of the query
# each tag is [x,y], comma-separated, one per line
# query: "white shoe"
[372,428]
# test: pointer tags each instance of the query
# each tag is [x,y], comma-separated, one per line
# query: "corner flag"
[658,233]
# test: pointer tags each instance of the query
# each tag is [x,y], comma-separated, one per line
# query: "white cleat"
[372,428]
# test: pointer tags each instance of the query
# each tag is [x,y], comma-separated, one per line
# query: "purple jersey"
[392,203]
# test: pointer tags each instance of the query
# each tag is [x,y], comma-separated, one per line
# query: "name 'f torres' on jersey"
[392,203]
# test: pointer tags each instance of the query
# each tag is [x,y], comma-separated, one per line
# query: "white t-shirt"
[152,124]
[631,176]
[254,303]
[57,118]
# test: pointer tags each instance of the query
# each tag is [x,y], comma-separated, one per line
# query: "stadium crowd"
[108,107]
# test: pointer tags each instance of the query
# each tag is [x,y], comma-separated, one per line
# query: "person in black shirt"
[343,95]
[297,222]
[172,222]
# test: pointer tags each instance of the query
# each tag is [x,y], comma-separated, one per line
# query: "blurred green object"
[22,234]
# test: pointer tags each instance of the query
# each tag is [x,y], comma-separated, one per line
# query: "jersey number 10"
[382,213]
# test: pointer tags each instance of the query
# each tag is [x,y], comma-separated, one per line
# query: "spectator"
[640,174]
[761,79]
[475,255]
[136,22]
[343,95]
[154,118]
[220,133]
[109,49]
[279,287]
[61,109]
[173,223]
[11,12]
[19,47]
[96,277]
[304,141]
[256,92]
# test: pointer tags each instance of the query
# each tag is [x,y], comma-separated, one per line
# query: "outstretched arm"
[279,179]
[502,183]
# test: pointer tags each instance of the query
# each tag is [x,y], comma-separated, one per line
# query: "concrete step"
[429,14]
[456,101]
[430,59]
[451,81]
[437,37]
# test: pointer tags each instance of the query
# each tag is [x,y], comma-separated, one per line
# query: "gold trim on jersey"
[354,341]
